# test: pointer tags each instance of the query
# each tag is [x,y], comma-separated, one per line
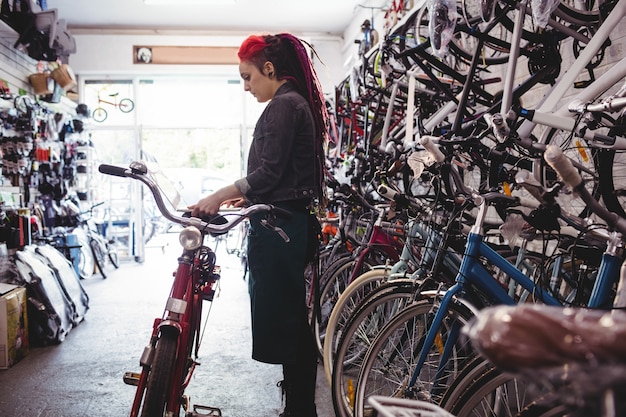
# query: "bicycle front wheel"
[99,114]
[483,390]
[160,377]
[392,358]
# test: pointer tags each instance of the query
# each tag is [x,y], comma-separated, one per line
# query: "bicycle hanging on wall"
[125,105]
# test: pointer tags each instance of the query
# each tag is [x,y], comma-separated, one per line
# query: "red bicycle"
[169,359]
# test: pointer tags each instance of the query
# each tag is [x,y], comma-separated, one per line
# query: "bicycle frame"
[182,314]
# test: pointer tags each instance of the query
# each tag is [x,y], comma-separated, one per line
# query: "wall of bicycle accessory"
[15,66]
[38,139]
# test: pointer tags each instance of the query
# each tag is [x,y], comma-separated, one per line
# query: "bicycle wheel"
[612,172]
[86,262]
[539,410]
[331,289]
[126,105]
[483,390]
[99,114]
[113,256]
[391,360]
[335,285]
[346,305]
[160,377]
[363,327]
[99,255]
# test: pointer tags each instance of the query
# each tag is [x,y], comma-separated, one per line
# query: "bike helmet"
[83,110]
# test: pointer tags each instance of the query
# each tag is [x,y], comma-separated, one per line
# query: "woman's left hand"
[211,204]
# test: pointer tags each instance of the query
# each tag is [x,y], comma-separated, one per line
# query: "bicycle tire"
[113,257]
[470,373]
[99,256]
[569,12]
[126,105]
[611,169]
[99,114]
[85,262]
[343,310]
[546,406]
[333,285]
[331,290]
[160,376]
[613,197]
[362,328]
[391,358]
[483,389]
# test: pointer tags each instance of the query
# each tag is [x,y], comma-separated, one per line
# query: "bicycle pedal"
[131,378]
[199,411]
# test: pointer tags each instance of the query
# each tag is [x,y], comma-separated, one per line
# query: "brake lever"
[269,225]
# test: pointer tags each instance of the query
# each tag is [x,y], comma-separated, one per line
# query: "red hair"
[252,48]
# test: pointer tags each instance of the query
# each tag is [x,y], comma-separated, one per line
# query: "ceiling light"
[194,2]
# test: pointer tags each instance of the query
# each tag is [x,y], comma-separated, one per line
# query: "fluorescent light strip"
[193,2]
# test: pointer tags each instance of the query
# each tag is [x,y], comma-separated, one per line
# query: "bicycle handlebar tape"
[555,157]
[432,148]
[112,170]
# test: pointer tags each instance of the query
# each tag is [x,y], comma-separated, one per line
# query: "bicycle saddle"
[532,336]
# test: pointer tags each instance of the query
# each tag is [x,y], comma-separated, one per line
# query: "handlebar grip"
[555,157]
[386,192]
[112,170]
[432,148]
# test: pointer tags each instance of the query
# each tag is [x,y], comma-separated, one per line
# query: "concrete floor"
[83,375]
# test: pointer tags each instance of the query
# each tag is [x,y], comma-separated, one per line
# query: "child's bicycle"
[169,359]
[125,105]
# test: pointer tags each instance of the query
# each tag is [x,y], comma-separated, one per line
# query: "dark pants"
[280,330]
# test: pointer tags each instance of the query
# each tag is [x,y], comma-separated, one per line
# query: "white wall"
[111,55]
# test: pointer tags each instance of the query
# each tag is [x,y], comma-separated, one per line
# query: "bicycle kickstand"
[199,411]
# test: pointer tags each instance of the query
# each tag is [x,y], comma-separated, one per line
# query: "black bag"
[68,279]
[49,311]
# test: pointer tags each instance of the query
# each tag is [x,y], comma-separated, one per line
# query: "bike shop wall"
[15,69]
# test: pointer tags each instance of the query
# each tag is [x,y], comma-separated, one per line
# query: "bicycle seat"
[532,336]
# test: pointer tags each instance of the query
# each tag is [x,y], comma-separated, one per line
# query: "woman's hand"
[235,202]
[210,205]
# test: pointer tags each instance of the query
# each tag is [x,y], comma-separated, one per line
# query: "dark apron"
[277,289]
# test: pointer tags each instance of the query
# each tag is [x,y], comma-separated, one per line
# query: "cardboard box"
[14,344]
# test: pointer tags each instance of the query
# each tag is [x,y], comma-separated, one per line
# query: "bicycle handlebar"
[138,171]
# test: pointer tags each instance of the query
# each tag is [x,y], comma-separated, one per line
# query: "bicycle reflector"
[190,238]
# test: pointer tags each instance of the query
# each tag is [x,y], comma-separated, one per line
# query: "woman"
[285,168]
